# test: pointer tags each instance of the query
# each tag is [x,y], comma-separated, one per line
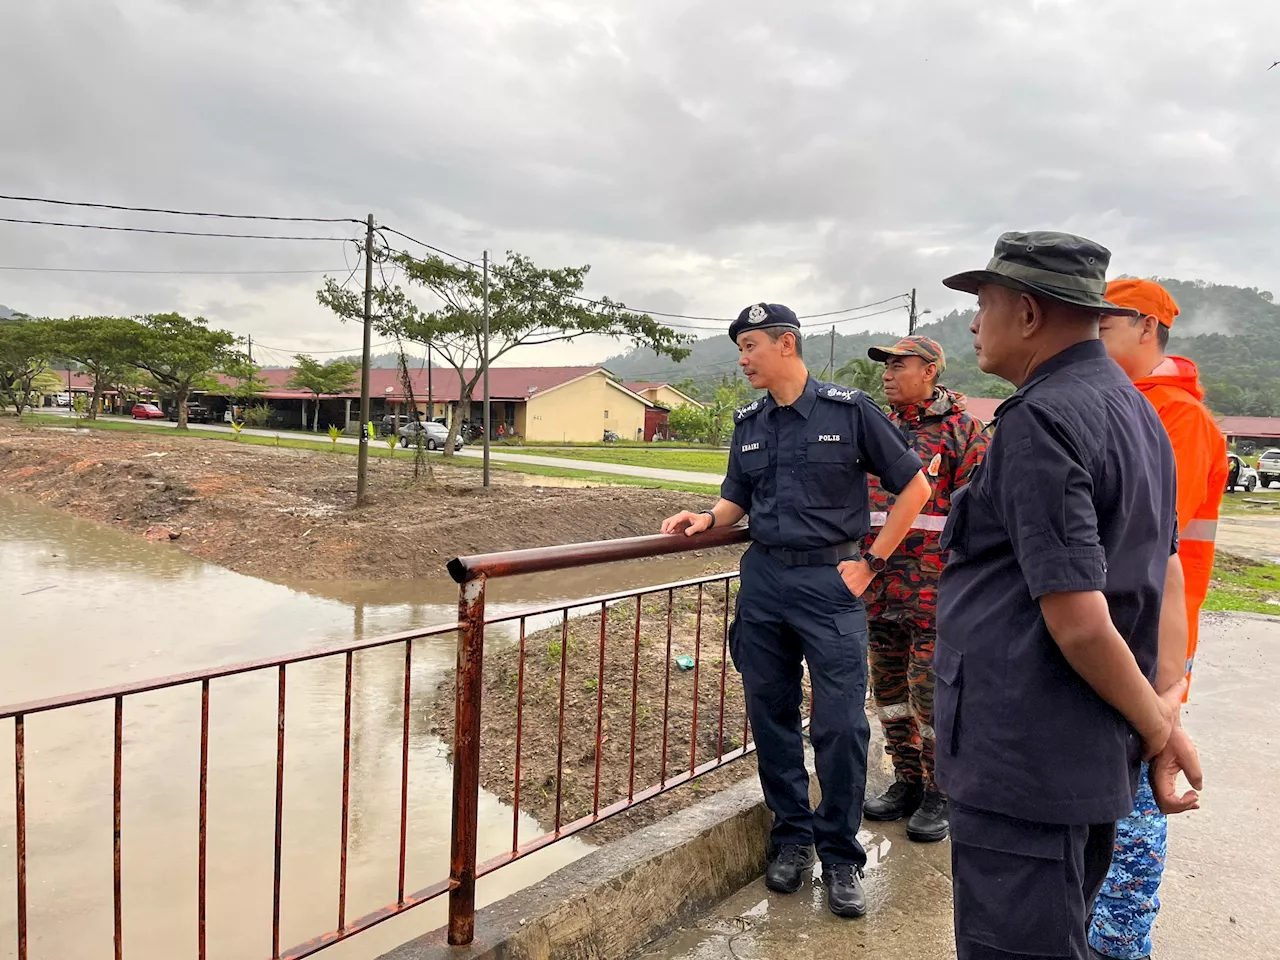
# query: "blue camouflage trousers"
[1126,907]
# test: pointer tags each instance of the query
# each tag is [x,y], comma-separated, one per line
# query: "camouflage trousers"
[1127,905]
[901,658]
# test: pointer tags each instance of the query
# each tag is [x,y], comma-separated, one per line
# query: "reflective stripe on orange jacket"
[1200,451]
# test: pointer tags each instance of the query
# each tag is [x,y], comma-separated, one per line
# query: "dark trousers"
[787,617]
[1024,889]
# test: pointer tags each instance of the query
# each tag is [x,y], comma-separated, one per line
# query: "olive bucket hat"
[1060,266]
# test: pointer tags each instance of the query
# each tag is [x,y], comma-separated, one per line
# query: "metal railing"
[472,573]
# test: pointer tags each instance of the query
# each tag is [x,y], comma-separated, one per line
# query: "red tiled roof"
[80,382]
[983,408]
[1250,426]
[505,383]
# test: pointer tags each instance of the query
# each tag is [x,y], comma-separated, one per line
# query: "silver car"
[1269,467]
[437,434]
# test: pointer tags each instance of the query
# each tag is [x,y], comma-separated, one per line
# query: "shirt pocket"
[755,462]
[829,471]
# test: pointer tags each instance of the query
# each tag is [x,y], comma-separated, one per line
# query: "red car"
[147,411]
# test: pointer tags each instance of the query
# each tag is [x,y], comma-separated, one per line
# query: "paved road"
[495,456]
[1220,882]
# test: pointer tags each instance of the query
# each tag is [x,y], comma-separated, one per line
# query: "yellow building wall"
[575,412]
[666,397]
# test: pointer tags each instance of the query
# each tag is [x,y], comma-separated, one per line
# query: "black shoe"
[786,868]
[900,800]
[930,823]
[845,896]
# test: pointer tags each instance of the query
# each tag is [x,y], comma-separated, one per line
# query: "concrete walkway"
[495,455]
[1221,878]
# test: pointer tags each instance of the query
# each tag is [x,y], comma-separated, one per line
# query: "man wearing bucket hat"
[798,465]
[902,602]
[1126,907]
[1058,670]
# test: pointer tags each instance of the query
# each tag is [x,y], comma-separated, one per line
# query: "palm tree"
[863,374]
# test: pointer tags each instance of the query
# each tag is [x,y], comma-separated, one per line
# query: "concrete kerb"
[619,898]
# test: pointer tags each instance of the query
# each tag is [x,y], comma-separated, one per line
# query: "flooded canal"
[85,607]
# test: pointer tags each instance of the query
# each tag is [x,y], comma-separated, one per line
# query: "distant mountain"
[6,313]
[1232,333]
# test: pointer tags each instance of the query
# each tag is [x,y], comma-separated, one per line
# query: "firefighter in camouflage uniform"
[902,601]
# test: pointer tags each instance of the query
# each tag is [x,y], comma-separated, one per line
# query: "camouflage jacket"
[951,444]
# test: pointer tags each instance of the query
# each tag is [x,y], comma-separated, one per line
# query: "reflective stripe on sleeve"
[930,521]
[895,711]
[1203,531]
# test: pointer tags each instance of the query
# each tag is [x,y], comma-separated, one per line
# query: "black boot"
[786,868]
[929,824]
[900,800]
[845,896]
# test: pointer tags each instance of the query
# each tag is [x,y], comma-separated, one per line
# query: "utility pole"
[431,403]
[486,368]
[251,348]
[832,374]
[362,461]
[911,318]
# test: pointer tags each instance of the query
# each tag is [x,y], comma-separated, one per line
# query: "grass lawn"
[1242,584]
[1258,503]
[701,461]
[377,448]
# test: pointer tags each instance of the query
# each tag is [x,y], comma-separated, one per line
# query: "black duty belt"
[822,556]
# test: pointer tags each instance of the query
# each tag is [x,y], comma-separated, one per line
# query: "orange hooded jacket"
[1200,451]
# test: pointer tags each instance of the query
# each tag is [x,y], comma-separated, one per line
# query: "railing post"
[466,764]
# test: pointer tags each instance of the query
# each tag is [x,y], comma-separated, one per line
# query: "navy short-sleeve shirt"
[1076,494]
[800,472]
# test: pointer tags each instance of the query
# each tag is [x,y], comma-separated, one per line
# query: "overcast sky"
[700,155]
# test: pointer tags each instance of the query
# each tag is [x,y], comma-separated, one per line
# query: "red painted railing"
[472,573]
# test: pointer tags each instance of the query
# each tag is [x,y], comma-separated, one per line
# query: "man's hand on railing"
[689,522]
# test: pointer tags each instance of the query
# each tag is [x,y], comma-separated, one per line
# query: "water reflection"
[85,607]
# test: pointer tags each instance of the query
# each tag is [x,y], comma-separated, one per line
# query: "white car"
[1268,467]
[437,434]
[1247,477]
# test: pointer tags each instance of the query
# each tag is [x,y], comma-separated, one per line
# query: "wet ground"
[85,607]
[1255,537]
[1221,880]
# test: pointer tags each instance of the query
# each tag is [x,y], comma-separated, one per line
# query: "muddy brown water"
[83,607]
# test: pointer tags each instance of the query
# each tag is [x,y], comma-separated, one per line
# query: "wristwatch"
[877,564]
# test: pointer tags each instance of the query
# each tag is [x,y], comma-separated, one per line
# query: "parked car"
[1269,467]
[391,424]
[437,434]
[195,413]
[1246,476]
[147,411]
[63,399]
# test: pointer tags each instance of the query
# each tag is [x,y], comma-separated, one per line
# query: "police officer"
[1052,643]
[798,465]
[902,602]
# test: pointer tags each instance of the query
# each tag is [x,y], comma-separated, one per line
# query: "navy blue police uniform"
[1076,494]
[800,473]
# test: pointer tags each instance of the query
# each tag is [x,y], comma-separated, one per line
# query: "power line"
[181,213]
[173,233]
[200,273]
[355,351]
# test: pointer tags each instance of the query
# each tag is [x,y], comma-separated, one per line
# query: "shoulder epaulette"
[833,391]
[751,408]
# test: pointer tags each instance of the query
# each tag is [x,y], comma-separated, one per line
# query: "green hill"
[1232,333]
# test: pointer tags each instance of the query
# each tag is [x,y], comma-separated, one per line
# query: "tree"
[732,393]
[103,346]
[528,306]
[247,381]
[25,353]
[688,388]
[689,422]
[863,374]
[321,379]
[182,354]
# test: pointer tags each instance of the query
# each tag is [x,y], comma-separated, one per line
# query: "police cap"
[759,316]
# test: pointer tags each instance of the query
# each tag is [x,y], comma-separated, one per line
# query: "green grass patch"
[1242,584]
[376,449]
[700,461]
[1259,503]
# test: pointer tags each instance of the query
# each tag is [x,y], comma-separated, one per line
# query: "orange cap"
[1145,295]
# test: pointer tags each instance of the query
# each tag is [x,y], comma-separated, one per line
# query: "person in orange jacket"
[1126,908]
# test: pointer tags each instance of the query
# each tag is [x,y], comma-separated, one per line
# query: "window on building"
[606,414]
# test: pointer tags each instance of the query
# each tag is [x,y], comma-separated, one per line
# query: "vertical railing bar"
[464,819]
[724,673]
[20,824]
[279,837]
[635,696]
[697,666]
[404,769]
[515,803]
[604,621]
[346,790]
[666,692]
[202,868]
[118,751]
[564,666]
